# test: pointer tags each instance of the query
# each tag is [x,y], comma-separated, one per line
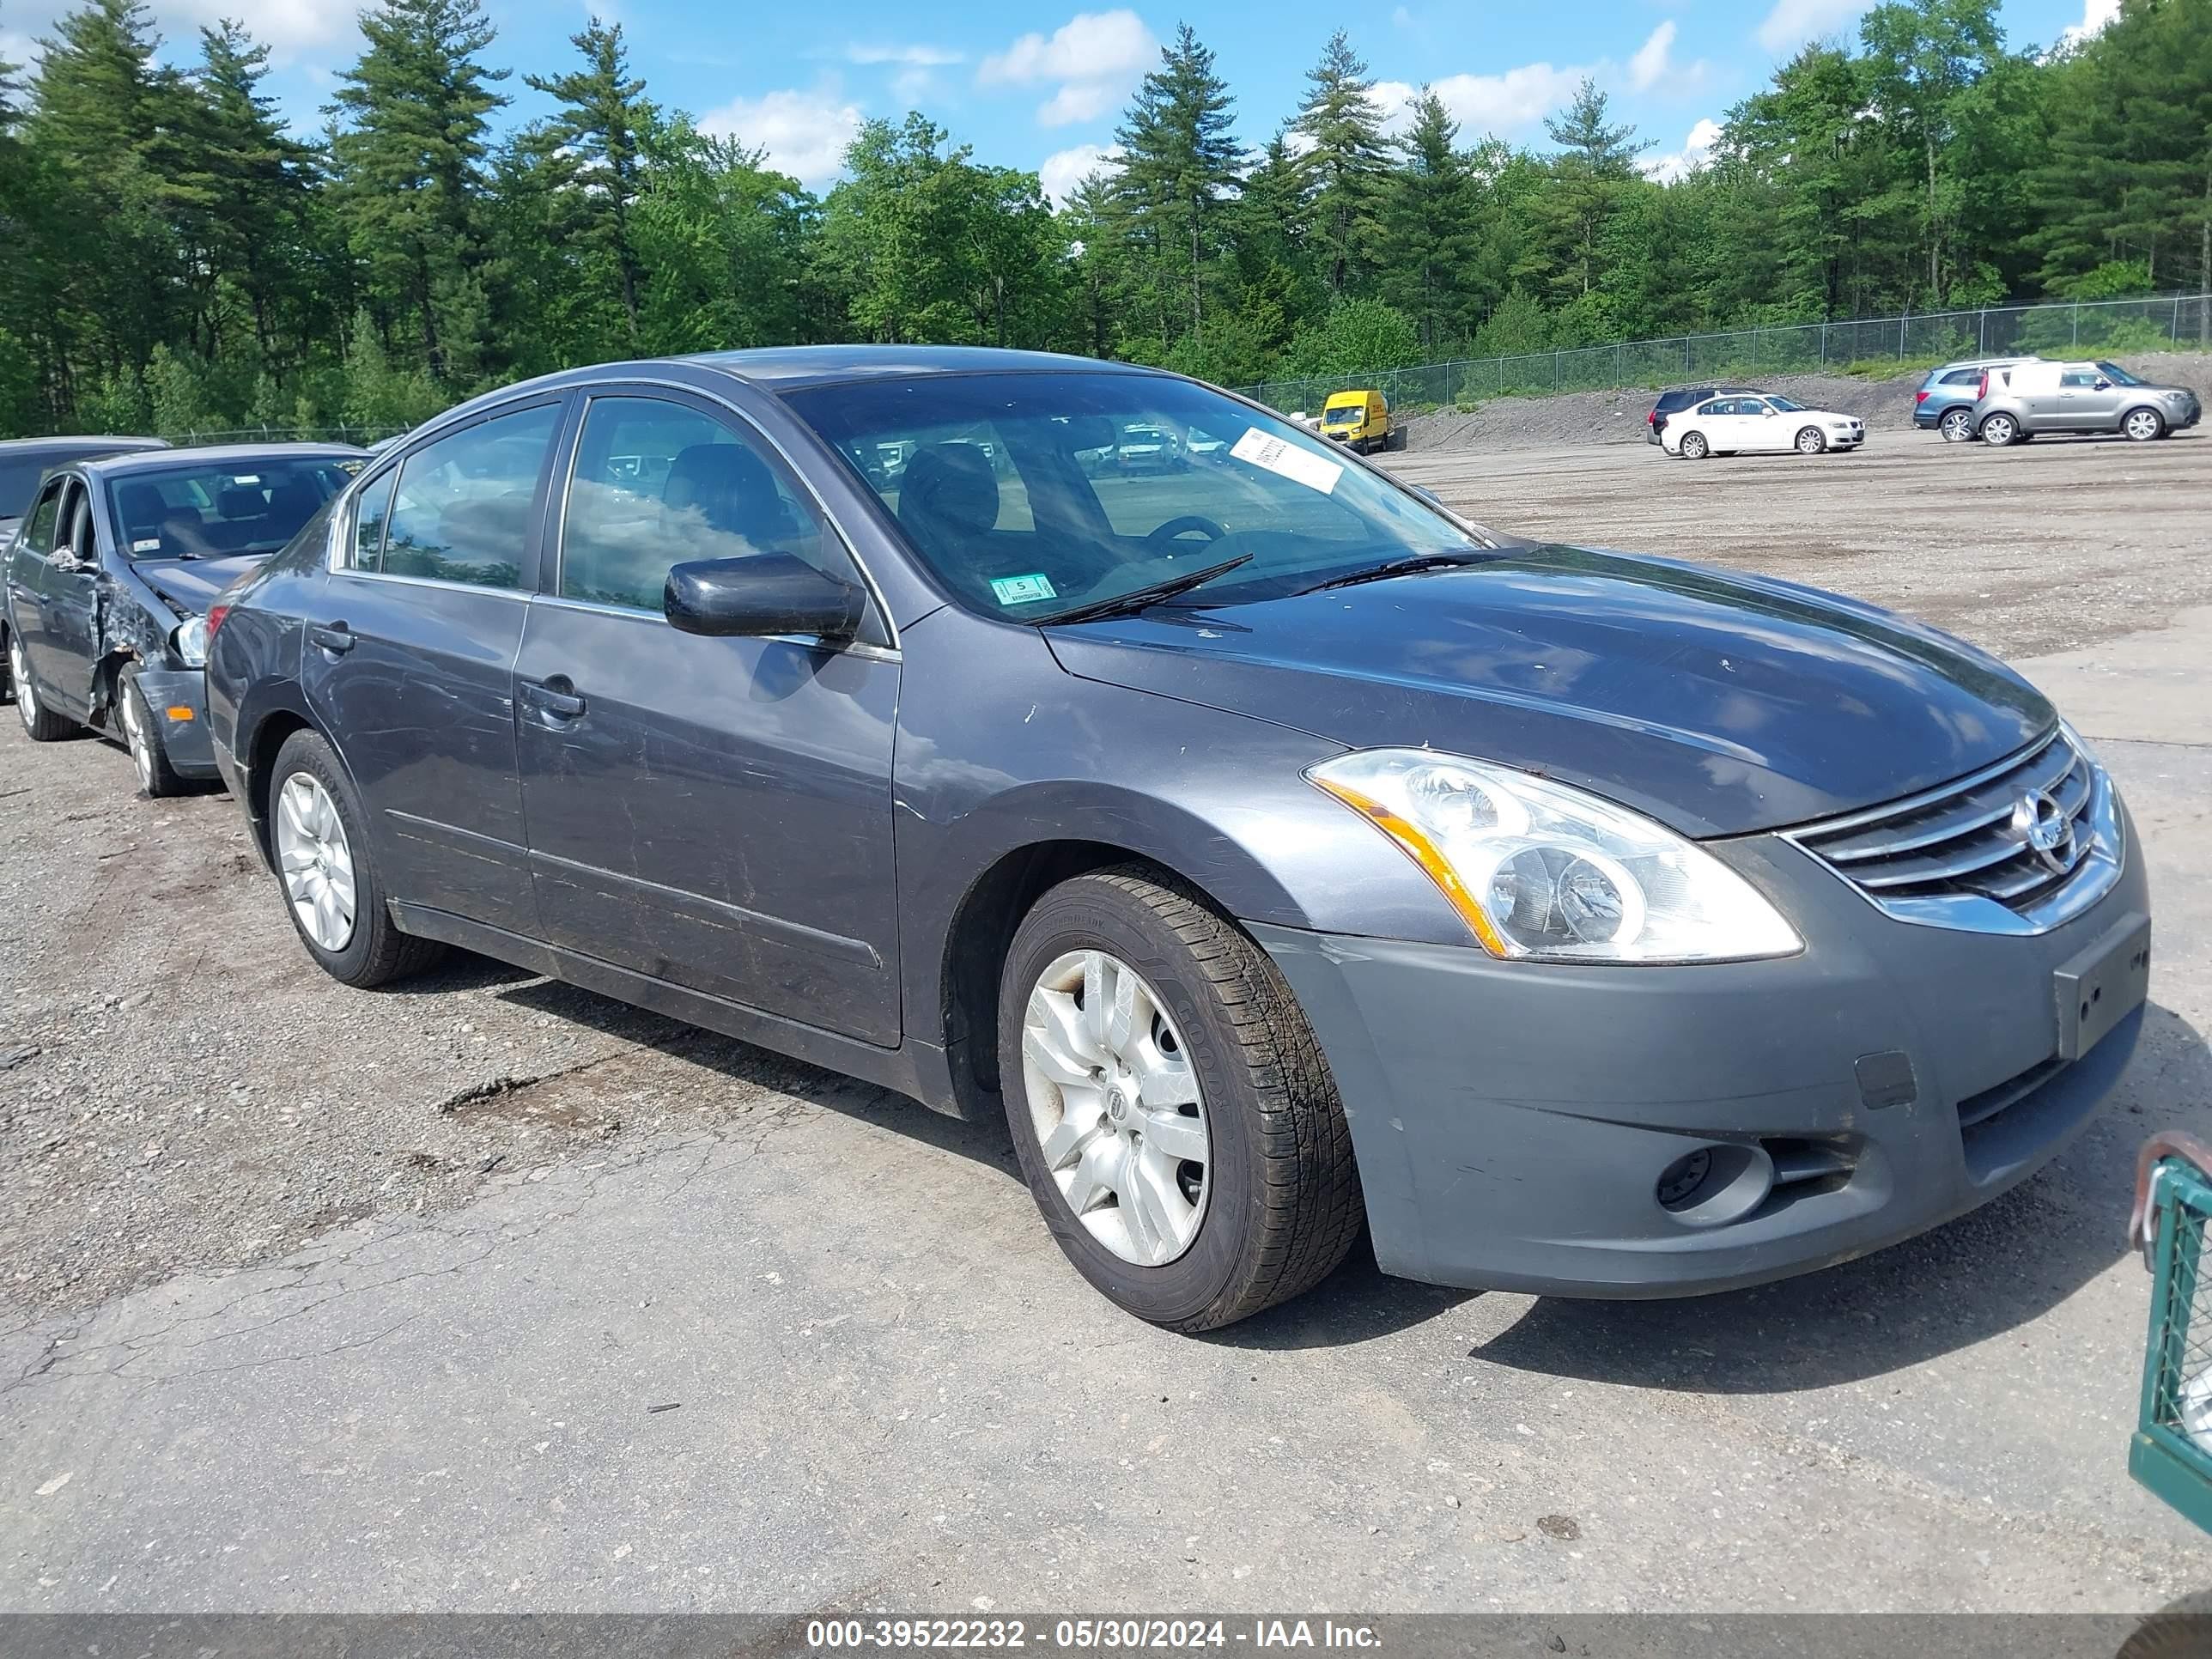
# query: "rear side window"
[657,483]
[1722,406]
[1671,401]
[1963,377]
[461,512]
[38,534]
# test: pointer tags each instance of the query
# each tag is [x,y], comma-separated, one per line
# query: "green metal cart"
[2172,1452]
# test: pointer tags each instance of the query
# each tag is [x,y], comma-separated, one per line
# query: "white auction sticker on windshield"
[1287,460]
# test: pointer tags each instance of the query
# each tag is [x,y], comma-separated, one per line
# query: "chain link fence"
[2105,327]
[362,435]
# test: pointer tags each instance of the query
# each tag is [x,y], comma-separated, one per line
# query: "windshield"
[2117,375]
[1344,414]
[243,506]
[1787,405]
[1018,494]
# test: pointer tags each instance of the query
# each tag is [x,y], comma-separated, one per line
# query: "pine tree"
[1177,159]
[1596,160]
[410,159]
[1347,162]
[1921,57]
[604,114]
[1429,227]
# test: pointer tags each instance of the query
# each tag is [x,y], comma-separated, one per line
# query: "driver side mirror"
[2104,386]
[767,594]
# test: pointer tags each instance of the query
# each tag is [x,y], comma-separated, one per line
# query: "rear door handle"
[337,638]
[554,696]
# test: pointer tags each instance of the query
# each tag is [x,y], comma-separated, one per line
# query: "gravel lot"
[301,1285]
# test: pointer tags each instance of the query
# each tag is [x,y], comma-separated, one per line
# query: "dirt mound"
[1619,418]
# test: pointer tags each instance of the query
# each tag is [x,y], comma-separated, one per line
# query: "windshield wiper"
[1137,598]
[1408,566]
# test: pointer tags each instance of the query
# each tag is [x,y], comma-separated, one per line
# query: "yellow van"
[1361,419]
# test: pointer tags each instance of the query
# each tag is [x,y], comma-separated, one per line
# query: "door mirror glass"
[2104,386]
[766,595]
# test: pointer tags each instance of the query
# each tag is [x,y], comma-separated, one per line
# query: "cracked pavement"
[496,1296]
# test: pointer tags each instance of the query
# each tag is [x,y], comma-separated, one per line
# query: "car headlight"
[189,641]
[1540,871]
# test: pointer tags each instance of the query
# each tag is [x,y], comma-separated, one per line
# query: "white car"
[1754,425]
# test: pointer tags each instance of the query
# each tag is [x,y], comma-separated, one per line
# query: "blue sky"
[1041,86]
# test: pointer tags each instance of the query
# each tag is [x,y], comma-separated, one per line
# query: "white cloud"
[2096,15]
[1094,59]
[1065,170]
[1395,98]
[907,57]
[1793,22]
[805,133]
[287,27]
[1507,103]
[1697,149]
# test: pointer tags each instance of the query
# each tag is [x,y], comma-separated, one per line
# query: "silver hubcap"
[1999,430]
[134,728]
[1956,423]
[1693,446]
[1115,1107]
[2143,424]
[19,671]
[315,861]
[1808,441]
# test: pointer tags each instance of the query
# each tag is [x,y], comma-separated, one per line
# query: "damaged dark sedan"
[109,581]
[1280,853]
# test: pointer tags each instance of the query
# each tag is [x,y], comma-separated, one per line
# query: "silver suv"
[2030,399]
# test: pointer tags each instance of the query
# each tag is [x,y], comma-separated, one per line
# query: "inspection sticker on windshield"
[1288,461]
[147,545]
[1022,590]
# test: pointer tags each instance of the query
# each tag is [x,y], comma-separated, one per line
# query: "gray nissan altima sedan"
[1278,852]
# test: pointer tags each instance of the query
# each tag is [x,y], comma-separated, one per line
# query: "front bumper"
[1512,1120]
[184,735]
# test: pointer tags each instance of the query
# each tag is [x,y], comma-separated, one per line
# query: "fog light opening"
[1711,1186]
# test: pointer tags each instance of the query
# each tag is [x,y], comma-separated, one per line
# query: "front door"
[715,812]
[66,587]
[2087,401]
[31,576]
[412,657]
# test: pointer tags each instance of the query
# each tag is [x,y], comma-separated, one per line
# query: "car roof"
[77,444]
[151,460]
[2005,361]
[789,367]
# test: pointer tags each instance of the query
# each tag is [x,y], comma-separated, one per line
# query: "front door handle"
[554,698]
[337,638]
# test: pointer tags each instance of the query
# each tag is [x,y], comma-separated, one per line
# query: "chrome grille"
[1947,855]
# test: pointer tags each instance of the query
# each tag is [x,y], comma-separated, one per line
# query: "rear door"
[68,582]
[712,812]
[411,667]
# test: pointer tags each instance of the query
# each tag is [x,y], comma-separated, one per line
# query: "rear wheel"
[2000,430]
[149,753]
[1174,1119]
[330,884]
[1810,441]
[1957,425]
[2143,424]
[42,723]
[1694,447]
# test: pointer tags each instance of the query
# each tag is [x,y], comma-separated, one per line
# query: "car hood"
[1717,704]
[190,584]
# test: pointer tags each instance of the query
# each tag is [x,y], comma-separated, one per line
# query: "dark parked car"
[24,461]
[1275,849]
[108,584]
[1675,401]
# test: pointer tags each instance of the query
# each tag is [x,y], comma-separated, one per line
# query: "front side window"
[369,514]
[201,512]
[1100,516]
[657,483]
[38,534]
[461,512]
[2078,377]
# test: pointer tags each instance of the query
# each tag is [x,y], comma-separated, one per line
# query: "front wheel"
[1694,447]
[330,884]
[149,753]
[1956,426]
[40,723]
[1999,430]
[1176,1121]
[2143,424]
[1810,441]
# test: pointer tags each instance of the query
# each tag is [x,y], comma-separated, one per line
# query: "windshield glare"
[1025,496]
[1343,415]
[220,512]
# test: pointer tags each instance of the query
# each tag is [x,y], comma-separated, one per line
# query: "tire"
[2180,1630]
[1811,440]
[2143,425]
[1956,426]
[2000,430]
[142,734]
[1694,446]
[40,723]
[374,951]
[1279,1203]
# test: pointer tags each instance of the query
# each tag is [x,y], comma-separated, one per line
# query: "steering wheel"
[1190,521]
